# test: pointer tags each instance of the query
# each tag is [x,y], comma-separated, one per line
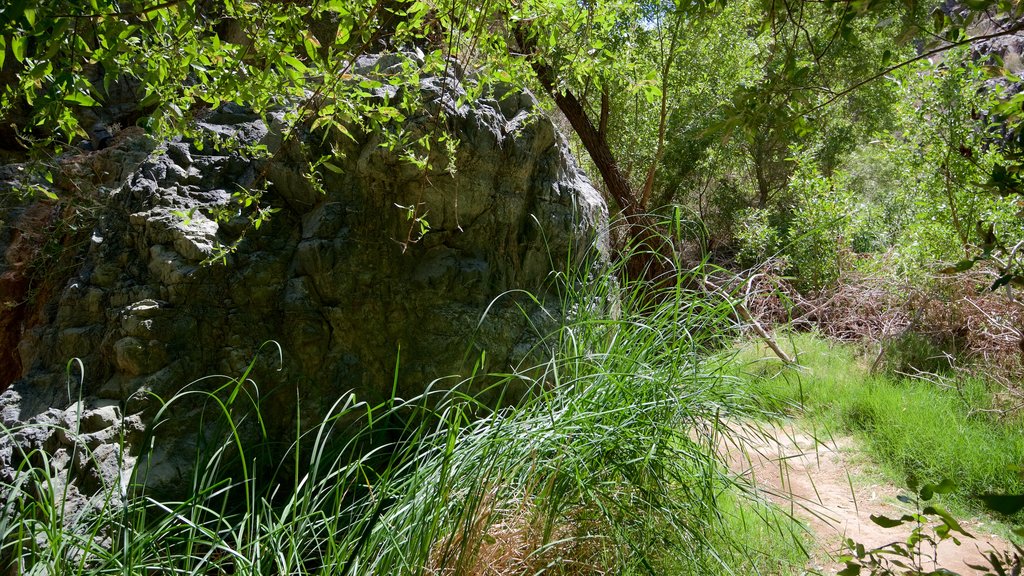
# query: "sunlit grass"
[929,427]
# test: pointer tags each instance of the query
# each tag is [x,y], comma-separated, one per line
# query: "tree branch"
[850,89]
[602,125]
[591,136]
[659,153]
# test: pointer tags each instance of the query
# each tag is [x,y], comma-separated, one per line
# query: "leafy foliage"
[821,229]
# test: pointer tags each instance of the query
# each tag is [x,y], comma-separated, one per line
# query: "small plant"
[929,525]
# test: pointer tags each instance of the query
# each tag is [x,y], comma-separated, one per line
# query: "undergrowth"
[928,427]
[606,466]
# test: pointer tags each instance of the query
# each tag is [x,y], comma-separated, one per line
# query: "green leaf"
[886,522]
[18,48]
[80,98]
[946,486]
[852,569]
[339,6]
[343,35]
[390,113]
[311,45]
[908,33]
[47,192]
[651,93]
[294,62]
[947,519]
[150,99]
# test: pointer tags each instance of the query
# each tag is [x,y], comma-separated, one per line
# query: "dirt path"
[820,481]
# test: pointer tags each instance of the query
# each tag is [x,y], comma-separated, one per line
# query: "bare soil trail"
[822,482]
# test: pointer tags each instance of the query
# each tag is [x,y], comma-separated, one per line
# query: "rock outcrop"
[340,277]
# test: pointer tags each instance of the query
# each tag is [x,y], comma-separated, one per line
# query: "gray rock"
[341,279]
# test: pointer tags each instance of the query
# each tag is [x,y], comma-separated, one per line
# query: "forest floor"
[830,485]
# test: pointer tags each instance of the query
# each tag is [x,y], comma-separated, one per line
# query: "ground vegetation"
[849,168]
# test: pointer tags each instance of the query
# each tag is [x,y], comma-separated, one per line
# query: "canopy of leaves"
[697,103]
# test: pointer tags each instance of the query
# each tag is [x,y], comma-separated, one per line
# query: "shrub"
[757,240]
[819,234]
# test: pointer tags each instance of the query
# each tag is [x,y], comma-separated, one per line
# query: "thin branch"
[835,34]
[847,91]
[645,193]
[602,125]
[744,315]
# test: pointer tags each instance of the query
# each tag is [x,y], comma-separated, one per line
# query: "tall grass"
[606,465]
[929,427]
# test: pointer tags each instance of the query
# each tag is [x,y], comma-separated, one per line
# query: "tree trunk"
[651,255]
[760,169]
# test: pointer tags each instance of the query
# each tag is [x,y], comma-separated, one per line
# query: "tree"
[65,62]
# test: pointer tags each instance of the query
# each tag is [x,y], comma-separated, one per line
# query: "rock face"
[333,277]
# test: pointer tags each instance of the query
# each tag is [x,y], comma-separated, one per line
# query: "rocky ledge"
[116,274]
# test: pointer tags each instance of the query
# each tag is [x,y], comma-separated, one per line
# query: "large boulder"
[356,293]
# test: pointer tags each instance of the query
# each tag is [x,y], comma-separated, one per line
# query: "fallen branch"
[768,338]
[747,318]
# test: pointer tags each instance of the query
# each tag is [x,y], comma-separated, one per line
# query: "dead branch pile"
[957,314]
[964,316]
[859,308]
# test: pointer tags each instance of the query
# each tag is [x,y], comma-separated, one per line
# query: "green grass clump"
[761,538]
[927,428]
[607,465]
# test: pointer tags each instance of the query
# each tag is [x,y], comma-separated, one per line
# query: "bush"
[757,240]
[818,240]
[911,353]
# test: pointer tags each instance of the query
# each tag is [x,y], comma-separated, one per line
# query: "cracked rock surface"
[332,277]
